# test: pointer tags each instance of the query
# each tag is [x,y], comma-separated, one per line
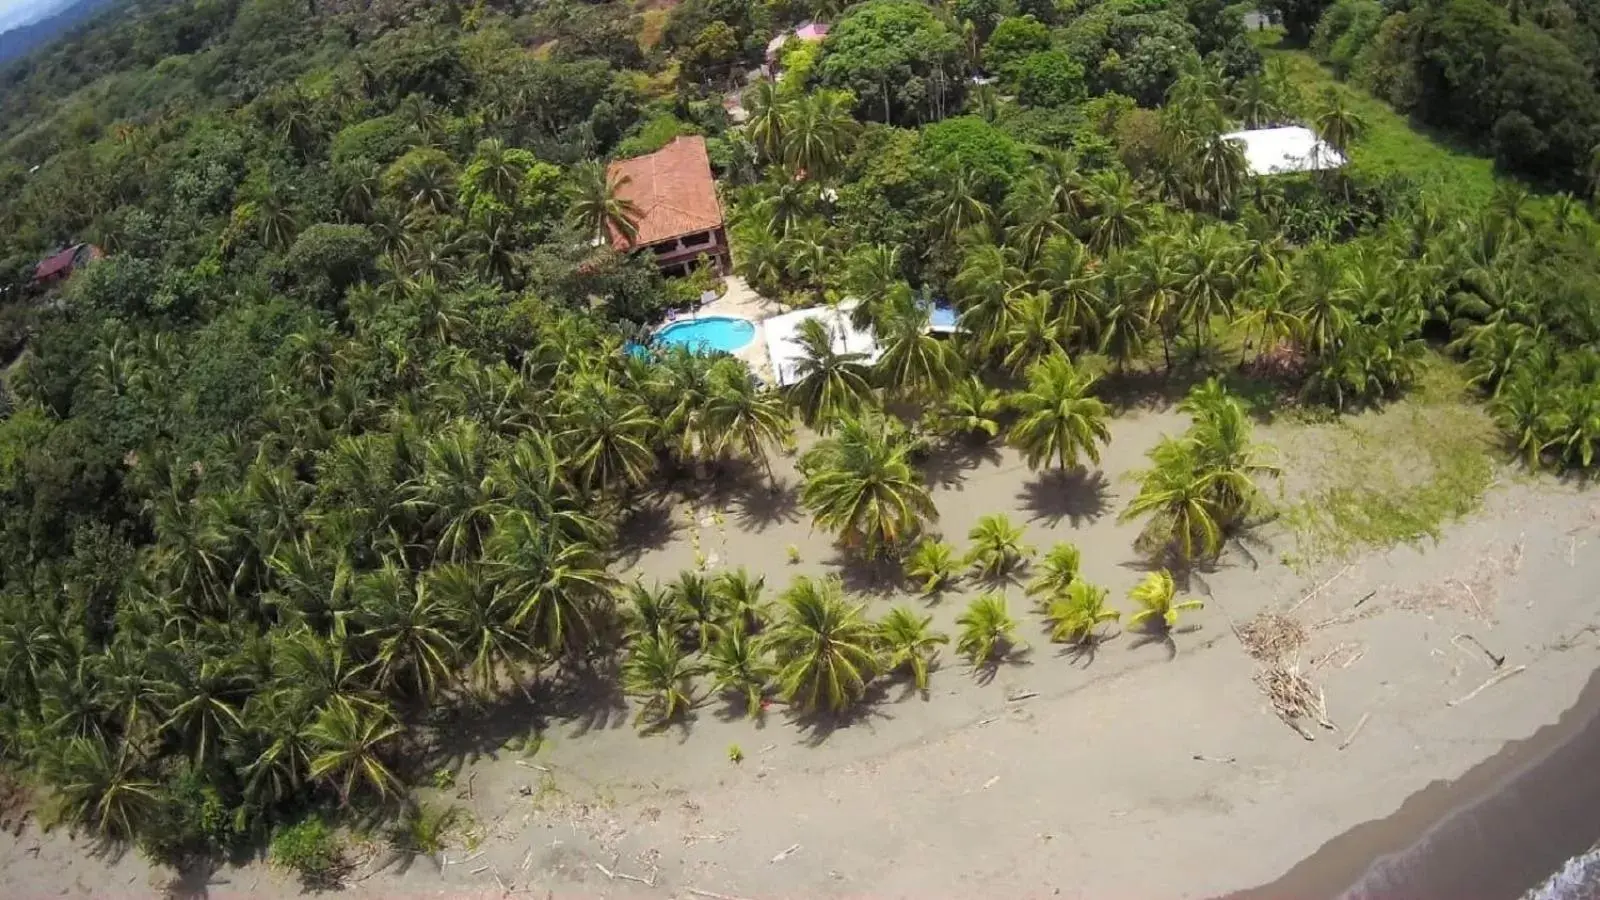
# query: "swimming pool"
[708,333]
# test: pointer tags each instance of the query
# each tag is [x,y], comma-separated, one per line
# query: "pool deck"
[741,301]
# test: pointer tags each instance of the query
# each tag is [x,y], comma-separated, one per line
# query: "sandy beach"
[1141,771]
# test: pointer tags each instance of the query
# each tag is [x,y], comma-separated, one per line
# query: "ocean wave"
[1579,879]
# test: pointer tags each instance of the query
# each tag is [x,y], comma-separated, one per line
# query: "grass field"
[1392,143]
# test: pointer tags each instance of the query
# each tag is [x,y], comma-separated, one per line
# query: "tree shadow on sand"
[761,506]
[1077,495]
[819,725]
[948,465]
[1162,636]
[1082,653]
[1016,656]
[873,577]
[650,526]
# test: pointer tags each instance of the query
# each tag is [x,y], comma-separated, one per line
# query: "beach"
[1153,768]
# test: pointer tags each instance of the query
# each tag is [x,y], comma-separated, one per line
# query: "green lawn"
[1392,143]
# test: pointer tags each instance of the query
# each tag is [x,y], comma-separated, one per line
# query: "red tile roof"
[672,191]
[51,266]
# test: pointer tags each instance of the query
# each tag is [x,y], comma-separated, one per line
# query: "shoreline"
[1497,831]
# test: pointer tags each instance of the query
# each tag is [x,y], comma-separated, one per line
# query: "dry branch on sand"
[1271,636]
[1294,697]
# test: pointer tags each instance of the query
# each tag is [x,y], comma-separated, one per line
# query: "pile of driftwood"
[1294,697]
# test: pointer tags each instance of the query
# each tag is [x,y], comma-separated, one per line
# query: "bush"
[1051,78]
[311,850]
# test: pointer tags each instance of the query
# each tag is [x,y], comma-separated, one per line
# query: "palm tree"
[1037,333]
[1118,216]
[1074,614]
[200,695]
[829,384]
[987,630]
[1157,596]
[597,206]
[740,415]
[657,672]
[765,123]
[609,434]
[961,205]
[1336,123]
[997,546]
[739,601]
[1230,461]
[1058,571]
[100,786]
[970,411]
[1178,496]
[739,666]
[1267,307]
[817,129]
[496,170]
[1059,419]
[555,583]
[650,611]
[987,288]
[861,486]
[825,651]
[480,620]
[349,745]
[1526,409]
[914,363]
[699,607]
[1073,279]
[934,564]
[404,624]
[909,644]
[1123,325]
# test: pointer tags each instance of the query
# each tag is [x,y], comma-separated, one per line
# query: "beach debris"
[1320,588]
[1271,636]
[1025,695]
[1215,759]
[613,875]
[479,870]
[1364,598]
[1293,696]
[787,852]
[1350,738]
[991,782]
[713,895]
[1346,651]
[528,765]
[1495,658]
[1496,679]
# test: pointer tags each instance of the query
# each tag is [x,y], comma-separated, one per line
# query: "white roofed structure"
[783,344]
[1292,148]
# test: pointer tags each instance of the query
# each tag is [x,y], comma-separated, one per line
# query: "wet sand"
[1494,833]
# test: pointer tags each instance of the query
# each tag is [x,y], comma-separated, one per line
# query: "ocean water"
[1579,879]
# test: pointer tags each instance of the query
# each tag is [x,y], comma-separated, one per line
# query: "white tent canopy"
[1293,148]
[783,344]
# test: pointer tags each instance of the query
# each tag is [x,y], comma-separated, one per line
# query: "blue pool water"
[723,333]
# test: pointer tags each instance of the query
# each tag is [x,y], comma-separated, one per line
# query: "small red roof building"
[60,266]
[675,199]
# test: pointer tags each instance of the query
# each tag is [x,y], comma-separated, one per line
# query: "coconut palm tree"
[914,363]
[657,672]
[1178,496]
[934,564]
[609,435]
[830,384]
[404,625]
[739,667]
[1059,419]
[100,786]
[1221,171]
[909,644]
[1159,606]
[596,205]
[1225,453]
[988,632]
[961,205]
[1267,307]
[971,411]
[1123,326]
[741,416]
[480,618]
[1074,614]
[1058,571]
[699,606]
[1038,332]
[1527,410]
[1118,217]
[825,651]
[1073,280]
[1336,123]
[739,600]
[817,132]
[997,546]
[765,123]
[861,486]
[988,290]
[555,583]
[349,742]
[650,611]
[201,693]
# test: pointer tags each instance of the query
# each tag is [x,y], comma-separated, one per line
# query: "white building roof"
[785,350]
[1293,148]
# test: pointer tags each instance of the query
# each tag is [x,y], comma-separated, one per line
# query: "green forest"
[341,438]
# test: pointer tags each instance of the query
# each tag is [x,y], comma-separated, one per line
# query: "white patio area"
[783,345]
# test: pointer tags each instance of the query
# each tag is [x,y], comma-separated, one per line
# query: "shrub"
[310,849]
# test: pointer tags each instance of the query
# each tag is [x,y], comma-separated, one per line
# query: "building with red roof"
[59,267]
[675,199]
